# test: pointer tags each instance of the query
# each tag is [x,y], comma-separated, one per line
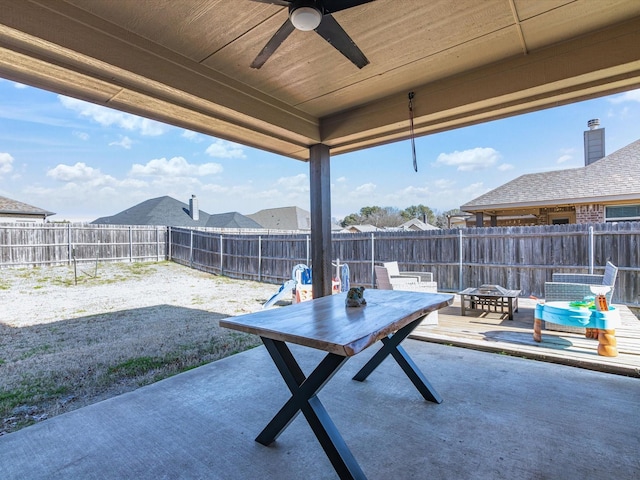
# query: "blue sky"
[85,161]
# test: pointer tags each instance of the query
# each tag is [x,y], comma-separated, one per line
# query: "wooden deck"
[493,332]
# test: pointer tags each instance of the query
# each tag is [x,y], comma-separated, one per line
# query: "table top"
[490,291]
[327,324]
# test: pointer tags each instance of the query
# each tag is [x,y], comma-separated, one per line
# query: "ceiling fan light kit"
[305,18]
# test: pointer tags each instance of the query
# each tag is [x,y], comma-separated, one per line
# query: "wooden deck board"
[494,332]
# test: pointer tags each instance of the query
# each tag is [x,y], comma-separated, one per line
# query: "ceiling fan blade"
[332,6]
[280,36]
[282,3]
[332,32]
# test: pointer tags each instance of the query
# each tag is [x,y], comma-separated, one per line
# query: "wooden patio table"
[327,324]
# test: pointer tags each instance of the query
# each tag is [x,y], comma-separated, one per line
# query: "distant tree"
[351,219]
[421,212]
[377,216]
[442,220]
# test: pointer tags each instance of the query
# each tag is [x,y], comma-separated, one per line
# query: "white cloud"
[404,197]
[468,160]
[20,86]
[191,135]
[472,191]
[444,183]
[630,96]
[80,172]
[174,167]
[505,167]
[566,155]
[297,183]
[125,142]
[81,135]
[6,163]
[108,117]
[363,190]
[224,149]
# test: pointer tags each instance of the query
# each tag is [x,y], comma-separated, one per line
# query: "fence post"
[460,269]
[308,249]
[191,248]
[259,258]
[373,260]
[130,245]
[221,255]
[169,243]
[591,249]
[69,246]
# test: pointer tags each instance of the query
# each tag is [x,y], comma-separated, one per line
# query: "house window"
[562,217]
[622,213]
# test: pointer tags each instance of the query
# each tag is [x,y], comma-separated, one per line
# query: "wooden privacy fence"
[513,257]
[59,243]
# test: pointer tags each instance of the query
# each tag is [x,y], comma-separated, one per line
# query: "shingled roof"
[612,178]
[156,211]
[283,218]
[231,220]
[167,211]
[13,207]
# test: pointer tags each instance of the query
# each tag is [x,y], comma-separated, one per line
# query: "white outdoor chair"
[425,279]
[385,281]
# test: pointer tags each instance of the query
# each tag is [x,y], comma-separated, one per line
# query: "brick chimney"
[194,211]
[593,142]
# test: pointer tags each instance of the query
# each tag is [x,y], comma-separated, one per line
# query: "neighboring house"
[283,218]
[416,225]
[168,211]
[360,229]
[12,211]
[232,220]
[413,225]
[606,189]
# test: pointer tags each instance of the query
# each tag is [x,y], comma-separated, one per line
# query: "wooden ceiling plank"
[89,46]
[593,58]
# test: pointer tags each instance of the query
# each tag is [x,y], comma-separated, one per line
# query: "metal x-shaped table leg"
[391,346]
[304,399]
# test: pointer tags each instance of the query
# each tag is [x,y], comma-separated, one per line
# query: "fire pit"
[488,298]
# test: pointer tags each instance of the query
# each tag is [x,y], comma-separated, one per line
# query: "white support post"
[259,258]
[373,260]
[591,250]
[460,269]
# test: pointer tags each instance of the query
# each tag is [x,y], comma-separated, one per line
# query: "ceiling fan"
[307,15]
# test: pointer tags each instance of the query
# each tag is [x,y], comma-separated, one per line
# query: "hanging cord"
[412,132]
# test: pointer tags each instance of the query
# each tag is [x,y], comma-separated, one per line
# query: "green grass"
[31,391]
[40,349]
[134,367]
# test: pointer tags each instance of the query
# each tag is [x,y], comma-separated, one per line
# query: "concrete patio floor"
[502,417]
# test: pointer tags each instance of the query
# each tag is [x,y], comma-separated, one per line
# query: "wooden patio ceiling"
[187,63]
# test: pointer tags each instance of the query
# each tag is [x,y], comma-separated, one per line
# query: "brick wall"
[593,213]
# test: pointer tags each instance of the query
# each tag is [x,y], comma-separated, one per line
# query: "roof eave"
[553,202]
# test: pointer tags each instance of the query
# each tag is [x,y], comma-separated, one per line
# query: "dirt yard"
[65,345]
